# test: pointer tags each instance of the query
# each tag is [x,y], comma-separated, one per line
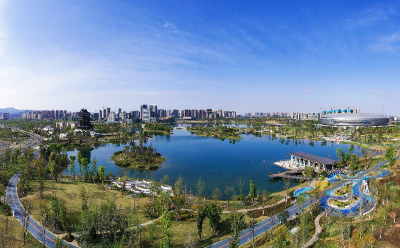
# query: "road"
[34,227]
[263,226]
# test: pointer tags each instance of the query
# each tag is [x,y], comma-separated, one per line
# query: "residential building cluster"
[267,114]
[48,114]
[151,113]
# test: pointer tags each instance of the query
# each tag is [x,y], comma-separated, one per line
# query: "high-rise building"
[169,113]
[83,120]
[108,111]
[162,113]
[202,114]
[112,117]
[119,110]
[185,113]
[148,112]
[95,116]
[5,116]
[134,114]
[175,112]
[209,113]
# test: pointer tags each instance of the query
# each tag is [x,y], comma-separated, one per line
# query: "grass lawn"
[15,231]
[70,192]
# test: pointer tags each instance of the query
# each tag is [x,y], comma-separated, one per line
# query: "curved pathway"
[34,227]
[317,231]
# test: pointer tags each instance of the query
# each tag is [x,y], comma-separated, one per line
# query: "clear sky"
[247,56]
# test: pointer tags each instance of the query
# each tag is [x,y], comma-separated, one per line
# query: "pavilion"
[303,160]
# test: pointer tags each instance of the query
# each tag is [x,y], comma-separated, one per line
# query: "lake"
[218,163]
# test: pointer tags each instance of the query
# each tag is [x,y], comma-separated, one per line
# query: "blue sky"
[245,56]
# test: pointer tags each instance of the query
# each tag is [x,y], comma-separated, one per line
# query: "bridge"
[180,128]
[292,175]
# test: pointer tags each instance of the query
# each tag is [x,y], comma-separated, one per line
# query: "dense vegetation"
[8,134]
[216,131]
[140,157]
[158,127]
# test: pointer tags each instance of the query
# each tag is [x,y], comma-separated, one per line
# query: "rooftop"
[314,158]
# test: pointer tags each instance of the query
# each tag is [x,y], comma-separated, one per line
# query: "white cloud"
[307,91]
[389,43]
[170,26]
[376,91]
[372,15]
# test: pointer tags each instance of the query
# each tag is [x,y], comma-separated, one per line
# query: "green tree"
[216,194]
[55,206]
[179,197]
[389,155]
[229,192]
[213,213]
[72,166]
[166,222]
[237,225]
[340,154]
[68,221]
[200,188]
[253,191]
[353,167]
[94,170]
[309,171]
[84,198]
[39,165]
[201,215]
[84,163]
[58,243]
[283,217]
[101,175]
[80,156]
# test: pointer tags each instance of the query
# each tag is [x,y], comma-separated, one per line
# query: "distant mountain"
[12,110]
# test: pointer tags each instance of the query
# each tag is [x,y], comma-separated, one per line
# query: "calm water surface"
[219,163]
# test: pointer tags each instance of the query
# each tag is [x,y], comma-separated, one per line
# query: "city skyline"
[262,56]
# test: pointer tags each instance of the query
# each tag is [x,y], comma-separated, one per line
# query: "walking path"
[263,226]
[252,209]
[317,231]
[37,230]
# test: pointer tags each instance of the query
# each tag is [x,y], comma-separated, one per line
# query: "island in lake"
[138,157]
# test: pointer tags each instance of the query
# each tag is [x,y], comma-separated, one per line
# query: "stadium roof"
[314,158]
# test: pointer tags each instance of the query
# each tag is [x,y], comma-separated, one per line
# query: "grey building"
[354,120]
[148,112]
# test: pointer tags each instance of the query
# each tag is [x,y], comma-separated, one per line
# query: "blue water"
[219,163]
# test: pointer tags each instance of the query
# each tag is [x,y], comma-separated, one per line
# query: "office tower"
[148,112]
[112,117]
